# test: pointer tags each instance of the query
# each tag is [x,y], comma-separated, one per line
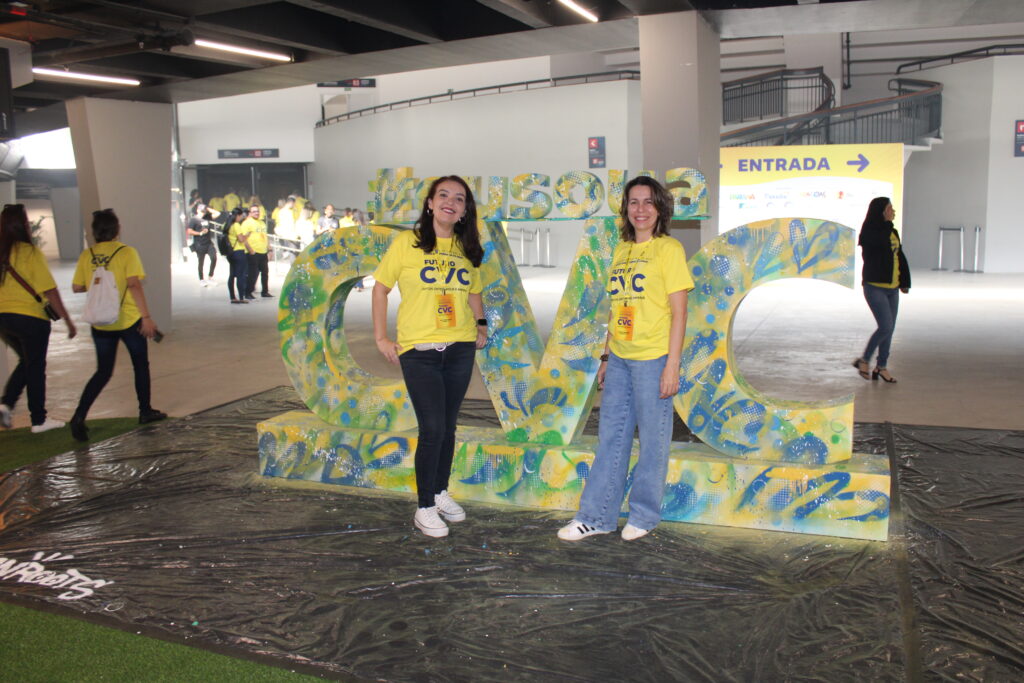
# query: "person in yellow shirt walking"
[257,265]
[440,324]
[231,200]
[133,326]
[25,284]
[639,370]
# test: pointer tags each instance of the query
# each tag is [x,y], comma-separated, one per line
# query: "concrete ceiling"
[328,40]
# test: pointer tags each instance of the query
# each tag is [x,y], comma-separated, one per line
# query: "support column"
[123,155]
[681,93]
[67,219]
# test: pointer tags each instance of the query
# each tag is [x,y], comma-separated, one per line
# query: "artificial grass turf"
[38,646]
[20,447]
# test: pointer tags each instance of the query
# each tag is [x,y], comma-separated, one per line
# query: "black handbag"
[47,307]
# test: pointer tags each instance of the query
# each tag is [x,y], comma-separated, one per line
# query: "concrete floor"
[957,351]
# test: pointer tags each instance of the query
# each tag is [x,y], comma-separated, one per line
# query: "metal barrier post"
[547,249]
[522,247]
[942,231]
[977,250]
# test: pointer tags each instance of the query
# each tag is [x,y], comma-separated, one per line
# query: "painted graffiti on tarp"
[77,584]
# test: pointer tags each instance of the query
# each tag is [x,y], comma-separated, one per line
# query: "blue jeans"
[106,353]
[630,400]
[29,338]
[437,382]
[884,304]
[239,277]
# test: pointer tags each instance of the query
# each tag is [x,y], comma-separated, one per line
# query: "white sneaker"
[47,426]
[427,521]
[5,416]
[631,533]
[448,508]
[577,530]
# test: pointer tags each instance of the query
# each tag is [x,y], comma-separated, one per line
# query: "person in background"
[256,264]
[231,200]
[305,227]
[328,221]
[238,238]
[217,204]
[255,200]
[133,326]
[194,199]
[639,371]
[24,324]
[885,274]
[202,240]
[346,220]
[441,323]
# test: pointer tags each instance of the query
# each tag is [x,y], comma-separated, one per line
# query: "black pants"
[239,278]
[258,268]
[29,338]
[201,252]
[106,355]
[437,382]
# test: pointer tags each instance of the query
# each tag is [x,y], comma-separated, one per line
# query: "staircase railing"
[911,116]
[775,94]
[976,53]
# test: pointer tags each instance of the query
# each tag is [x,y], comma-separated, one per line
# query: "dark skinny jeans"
[239,278]
[106,355]
[201,253]
[258,268]
[29,338]
[437,382]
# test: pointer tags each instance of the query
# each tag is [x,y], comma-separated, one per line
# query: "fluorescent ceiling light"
[575,8]
[242,50]
[77,76]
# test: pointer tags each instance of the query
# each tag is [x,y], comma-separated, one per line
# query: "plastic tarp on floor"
[169,530]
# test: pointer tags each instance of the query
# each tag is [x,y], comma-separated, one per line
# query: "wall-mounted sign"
[350,83]
[595,151]
[263,153]
[1018,140]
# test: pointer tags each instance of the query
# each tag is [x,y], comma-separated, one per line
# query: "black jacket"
[876,247]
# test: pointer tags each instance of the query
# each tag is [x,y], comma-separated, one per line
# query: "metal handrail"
[906,118]
[976,53]
[557,81]
[776,93]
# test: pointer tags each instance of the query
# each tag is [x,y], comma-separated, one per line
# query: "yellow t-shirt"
[895,242]
[124,265]
[642,276]
[346,222]
[257,235]
[216,203]
[435,291]
[236,229]
[31,266]
[232,201]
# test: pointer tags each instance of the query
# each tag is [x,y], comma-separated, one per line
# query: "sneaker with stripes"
[577,530]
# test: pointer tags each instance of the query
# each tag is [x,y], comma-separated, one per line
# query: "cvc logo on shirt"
[431,275]
[618,283]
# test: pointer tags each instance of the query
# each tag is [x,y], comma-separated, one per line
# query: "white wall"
[281,119]
[538,131]
[1003,229]
[972,178]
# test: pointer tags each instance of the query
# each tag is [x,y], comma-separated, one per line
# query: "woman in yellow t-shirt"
[238,238]
[440,324]
[133,325]
[24,325]
[885,275]
[639,370]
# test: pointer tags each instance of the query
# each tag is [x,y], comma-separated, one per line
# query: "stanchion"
[960,231]
[977,250]
[547,250]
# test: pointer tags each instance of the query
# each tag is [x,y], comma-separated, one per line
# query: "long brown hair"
[13,228]
[466,234]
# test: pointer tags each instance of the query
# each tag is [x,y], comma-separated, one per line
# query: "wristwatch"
[482,322]
[604,357]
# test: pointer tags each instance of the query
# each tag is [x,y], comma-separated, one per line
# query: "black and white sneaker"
[577,531]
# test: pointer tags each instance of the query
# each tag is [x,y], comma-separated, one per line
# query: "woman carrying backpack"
[25,284]
[133,325]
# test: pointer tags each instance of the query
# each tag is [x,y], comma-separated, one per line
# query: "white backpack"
[103,301]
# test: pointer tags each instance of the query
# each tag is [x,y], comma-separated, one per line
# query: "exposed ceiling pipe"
[73,55]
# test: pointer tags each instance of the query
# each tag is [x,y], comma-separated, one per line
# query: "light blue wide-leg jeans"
[630,400]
